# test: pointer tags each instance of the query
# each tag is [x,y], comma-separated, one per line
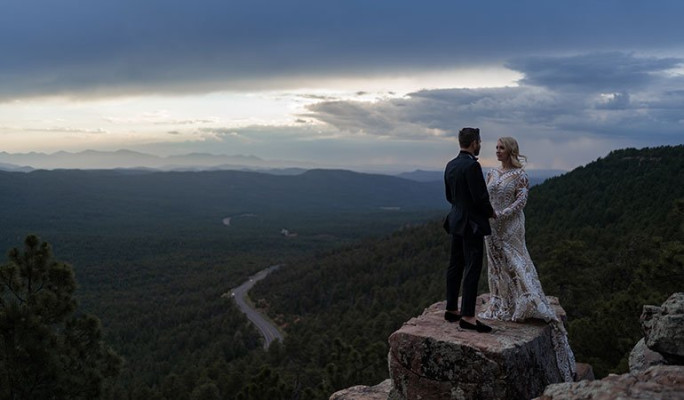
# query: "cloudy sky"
[360,84]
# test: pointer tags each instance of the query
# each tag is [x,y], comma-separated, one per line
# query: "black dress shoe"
[451,317]
[479,326]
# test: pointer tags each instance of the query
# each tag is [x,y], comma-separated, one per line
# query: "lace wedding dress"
[516,293]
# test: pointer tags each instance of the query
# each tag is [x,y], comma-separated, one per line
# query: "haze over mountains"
[92,159]
[128,159]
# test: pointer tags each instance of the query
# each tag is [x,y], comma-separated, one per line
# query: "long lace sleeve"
[522,186]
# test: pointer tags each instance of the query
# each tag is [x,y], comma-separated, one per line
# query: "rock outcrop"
[661,382]
[377,392]
[663,342]
[655,363]
[641,357]
[433,359]
[664,328]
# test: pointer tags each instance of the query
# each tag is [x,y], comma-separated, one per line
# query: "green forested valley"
[152,257]
[153,253]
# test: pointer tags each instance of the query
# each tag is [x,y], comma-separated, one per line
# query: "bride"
[516,293]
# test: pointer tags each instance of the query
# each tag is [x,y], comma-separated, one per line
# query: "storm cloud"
[112,47]
[593,76]
[612,94]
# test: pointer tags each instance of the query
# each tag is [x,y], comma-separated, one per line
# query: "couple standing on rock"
[491,212]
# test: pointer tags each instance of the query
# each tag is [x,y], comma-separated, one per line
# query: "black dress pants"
[465,265]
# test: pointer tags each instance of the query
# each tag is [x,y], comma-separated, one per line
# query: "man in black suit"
[468,223]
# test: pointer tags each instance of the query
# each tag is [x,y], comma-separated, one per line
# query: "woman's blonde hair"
[511,145]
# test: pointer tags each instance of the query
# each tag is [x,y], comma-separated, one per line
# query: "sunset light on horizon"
[381,86]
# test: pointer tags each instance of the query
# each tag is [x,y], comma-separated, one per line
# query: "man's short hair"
[466,136]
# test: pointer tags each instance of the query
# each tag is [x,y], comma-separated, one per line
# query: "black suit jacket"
[467,192]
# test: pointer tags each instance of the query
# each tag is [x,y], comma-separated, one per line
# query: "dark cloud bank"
[109,47]
[603,94]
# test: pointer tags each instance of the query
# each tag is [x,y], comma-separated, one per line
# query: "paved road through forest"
[269,331]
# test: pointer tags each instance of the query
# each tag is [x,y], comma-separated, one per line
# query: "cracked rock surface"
[431,358]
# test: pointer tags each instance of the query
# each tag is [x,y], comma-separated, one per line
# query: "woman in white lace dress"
[516,293]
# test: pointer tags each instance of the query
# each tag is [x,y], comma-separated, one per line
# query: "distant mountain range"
[128,159]
[536,176]
[47,199]
[92,159]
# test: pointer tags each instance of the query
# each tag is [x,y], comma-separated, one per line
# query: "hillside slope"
[607,238]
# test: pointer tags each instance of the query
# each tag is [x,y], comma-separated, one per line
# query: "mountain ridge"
[125,159]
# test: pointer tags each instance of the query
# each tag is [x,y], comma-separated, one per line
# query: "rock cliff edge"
[430,358]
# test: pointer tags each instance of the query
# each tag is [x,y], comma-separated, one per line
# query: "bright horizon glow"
[65,124]
[348,85]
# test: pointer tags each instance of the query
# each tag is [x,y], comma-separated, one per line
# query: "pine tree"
[46,351]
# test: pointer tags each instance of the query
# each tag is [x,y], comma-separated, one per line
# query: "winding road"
[269,331]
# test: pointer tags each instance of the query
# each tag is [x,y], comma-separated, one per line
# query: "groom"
[468,223]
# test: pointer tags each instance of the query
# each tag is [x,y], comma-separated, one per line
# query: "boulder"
[660,382]
[641,357]
[664,327]
[431,358]
[584,372]
[377,392]
[382,390]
